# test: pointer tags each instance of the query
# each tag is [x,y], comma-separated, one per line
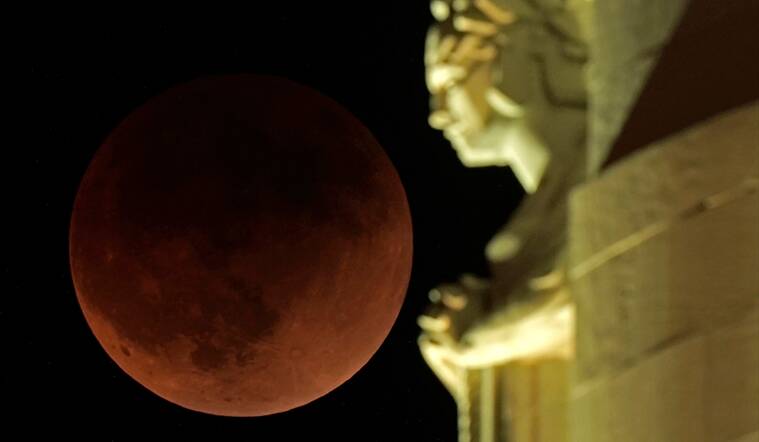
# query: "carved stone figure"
[574,310]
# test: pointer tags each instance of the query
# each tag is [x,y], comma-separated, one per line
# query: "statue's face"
[494,76]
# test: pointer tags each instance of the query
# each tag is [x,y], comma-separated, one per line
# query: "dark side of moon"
[240,245]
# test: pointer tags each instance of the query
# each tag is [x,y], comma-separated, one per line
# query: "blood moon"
[240,245]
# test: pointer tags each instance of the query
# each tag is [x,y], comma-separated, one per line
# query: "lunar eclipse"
[240,245]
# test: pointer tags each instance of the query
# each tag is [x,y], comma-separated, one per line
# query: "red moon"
[240,245]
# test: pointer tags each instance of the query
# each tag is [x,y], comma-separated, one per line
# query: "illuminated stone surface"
[653,267]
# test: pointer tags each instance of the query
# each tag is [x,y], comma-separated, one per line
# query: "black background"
[79,78]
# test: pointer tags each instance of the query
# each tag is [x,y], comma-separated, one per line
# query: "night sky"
[79,80]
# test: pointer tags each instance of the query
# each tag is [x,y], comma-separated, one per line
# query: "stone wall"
[664,271]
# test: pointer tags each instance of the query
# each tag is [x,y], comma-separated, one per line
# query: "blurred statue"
[507,85]
[508,89]
[595,276]
[506,79]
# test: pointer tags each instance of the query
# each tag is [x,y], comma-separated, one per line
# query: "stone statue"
[506,79]
[595,276]
[508,89]
[507,86]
